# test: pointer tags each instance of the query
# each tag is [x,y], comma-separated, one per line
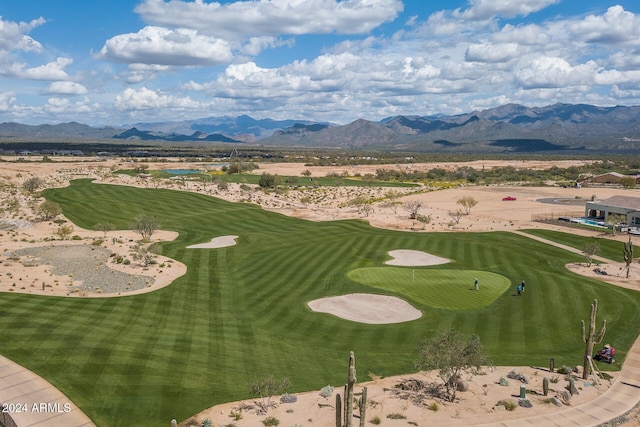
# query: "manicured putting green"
[448,289]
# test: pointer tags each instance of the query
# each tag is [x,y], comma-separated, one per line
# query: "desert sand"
[22,230]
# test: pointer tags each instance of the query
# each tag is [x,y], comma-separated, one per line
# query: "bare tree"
[145,226]
[265,389]
[105,227]
[452,356]
[412,207]
[467,202]
[49,210]
[614,219]
[456,215]
[589,250]
[33,184]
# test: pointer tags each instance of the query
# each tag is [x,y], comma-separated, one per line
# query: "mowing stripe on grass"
[197,342]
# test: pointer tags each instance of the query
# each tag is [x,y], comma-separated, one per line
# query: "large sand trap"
[216,242]
[367,308]
[409,258]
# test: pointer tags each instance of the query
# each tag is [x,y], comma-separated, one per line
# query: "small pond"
[182,171]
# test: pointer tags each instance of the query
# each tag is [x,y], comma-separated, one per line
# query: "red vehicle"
[508,198]
[607,354]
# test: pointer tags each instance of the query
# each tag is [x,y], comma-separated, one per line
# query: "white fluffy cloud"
[7,99]
[494,52]
[50,71]
[13,36]
[485,9]
[242,19]
[164,46]
[550,72]
[616,27]
[66,88]
[147,99]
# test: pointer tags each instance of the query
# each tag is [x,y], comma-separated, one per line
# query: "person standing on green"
[475,285]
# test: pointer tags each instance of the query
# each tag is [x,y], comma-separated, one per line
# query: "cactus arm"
[584,335]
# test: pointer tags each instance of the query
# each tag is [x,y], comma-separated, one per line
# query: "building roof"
[621,202]
[616,174]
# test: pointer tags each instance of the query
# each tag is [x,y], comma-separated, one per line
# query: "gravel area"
[86,265]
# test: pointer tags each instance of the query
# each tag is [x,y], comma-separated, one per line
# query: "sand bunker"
[409,258]
[216,242]
[367,308]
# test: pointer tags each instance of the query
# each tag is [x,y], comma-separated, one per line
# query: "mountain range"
[508,128]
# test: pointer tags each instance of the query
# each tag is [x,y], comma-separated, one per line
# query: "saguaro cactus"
[628,255]
[545,386]
[348,396]
[363,406]
[590,338]
[338,410]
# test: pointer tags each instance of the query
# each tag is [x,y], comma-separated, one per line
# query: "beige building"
[616,205]
[612,178]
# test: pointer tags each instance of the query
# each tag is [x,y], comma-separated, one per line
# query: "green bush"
[375,420]
[396,416]
[271,421]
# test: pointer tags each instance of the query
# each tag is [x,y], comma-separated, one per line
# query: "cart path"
[560,245]
[31,401]
[621,397]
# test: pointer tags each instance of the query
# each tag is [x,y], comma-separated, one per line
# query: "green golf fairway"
[239,313]
[448,289]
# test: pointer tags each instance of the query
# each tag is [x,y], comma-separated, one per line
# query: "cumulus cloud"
[64,106]
[146,99]
[13,35]
[50,71]
[617,27]
[164,46]
[66,88]
[551,72]
[242,19]
[493,52]
[7,99]
[486,9]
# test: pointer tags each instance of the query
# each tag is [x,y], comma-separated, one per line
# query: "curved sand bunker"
[216,242]
[409,258]
[367,308]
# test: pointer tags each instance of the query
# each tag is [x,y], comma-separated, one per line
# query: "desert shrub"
[504,382]
[97,242]
[375,420]
[236,415]
[326,391]
[433,406]
[554,379]
[126,261]
[288,398]
[192,423]
[396,416]
[271,421]
[206,423]
[76,237]
[510,405]
[564,369]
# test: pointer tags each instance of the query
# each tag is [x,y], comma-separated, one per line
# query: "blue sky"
[123,62]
